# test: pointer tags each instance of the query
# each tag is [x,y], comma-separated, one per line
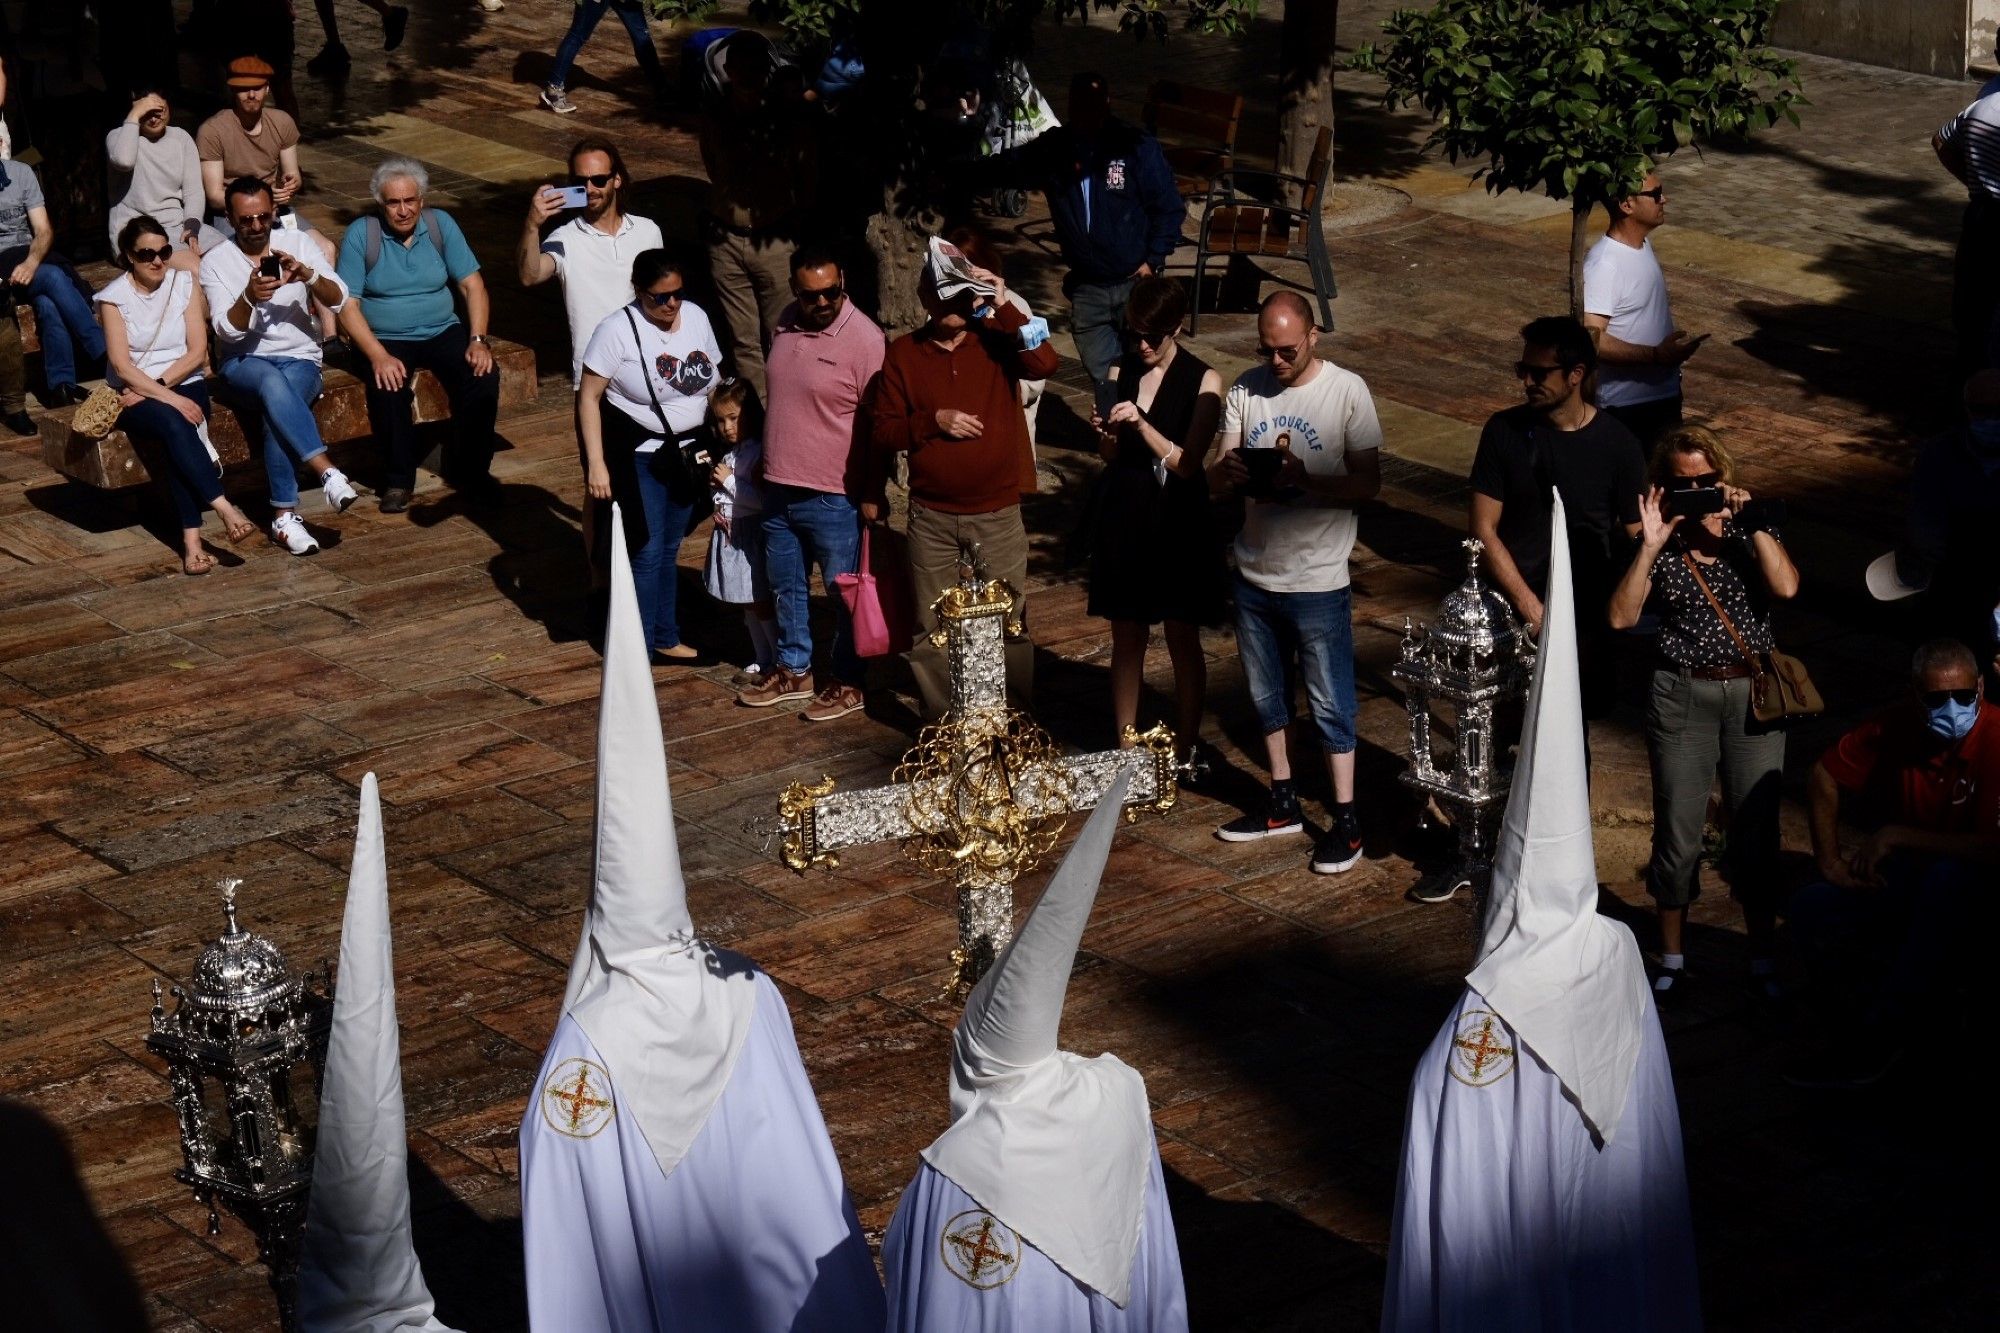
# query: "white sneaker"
[338,490]
[492,6]
[289,531]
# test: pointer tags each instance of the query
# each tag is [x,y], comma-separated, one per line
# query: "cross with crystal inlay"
[977,795]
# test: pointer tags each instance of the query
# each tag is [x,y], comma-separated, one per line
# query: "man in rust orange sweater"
[950,398]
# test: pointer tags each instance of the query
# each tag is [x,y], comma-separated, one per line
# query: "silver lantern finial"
[1471,657]
[245,1046]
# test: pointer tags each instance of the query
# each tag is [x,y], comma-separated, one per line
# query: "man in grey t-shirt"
[62,302]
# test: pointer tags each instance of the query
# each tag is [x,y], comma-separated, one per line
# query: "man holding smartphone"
[1639,350]
[260,291]
[1293,614]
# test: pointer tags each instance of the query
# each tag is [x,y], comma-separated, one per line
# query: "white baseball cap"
[1885,581]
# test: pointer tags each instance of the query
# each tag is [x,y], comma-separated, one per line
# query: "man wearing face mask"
[1890,910]
[1948,552]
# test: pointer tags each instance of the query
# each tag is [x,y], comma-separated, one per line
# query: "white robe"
[942,1279]
[753,1232]
[1509,1217]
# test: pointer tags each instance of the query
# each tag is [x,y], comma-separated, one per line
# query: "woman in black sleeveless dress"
[1154,557]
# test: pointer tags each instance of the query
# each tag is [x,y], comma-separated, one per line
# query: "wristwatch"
[482,340]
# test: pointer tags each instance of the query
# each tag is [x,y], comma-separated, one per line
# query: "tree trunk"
[1305,83]
[1579,246]
[898,238]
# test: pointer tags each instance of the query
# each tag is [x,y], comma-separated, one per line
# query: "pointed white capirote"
[358,1271]
[1566,979]
[667,1013]
[1056,1146]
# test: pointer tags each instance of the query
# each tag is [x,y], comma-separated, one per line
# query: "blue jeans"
[800,527]
[279,393]
[64,322]
[1097,323]
[588,12]
[191,478]
[1904,938]
[656,564]
[1273,629]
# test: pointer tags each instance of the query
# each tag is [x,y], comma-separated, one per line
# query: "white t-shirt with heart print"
[684,366]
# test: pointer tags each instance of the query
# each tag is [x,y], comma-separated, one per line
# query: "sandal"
[238,530]
[194,566]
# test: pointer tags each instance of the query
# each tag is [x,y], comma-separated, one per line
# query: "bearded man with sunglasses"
[1558,439]
[1882,929]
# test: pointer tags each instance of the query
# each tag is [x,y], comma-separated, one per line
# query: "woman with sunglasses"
[1708,568]
[642,412]
[155,348]
[1153,557]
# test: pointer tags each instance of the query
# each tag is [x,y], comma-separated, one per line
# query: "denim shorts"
[1310,633]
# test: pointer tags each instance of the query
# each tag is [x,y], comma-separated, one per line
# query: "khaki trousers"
[1003,547]
[13,375]
[753,285]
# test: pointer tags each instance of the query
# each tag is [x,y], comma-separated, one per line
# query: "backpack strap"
[371,250]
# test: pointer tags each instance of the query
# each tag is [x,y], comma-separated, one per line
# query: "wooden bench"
[113,464]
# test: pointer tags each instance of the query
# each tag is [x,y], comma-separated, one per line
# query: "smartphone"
[270,267]
[1263,465]
[1694,502]
[573,196]
[1105,398]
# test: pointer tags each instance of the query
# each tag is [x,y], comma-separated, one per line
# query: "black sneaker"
[1279,817]
[1339,848]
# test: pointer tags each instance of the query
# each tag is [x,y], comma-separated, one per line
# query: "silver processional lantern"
[245,1047]
[1470,658]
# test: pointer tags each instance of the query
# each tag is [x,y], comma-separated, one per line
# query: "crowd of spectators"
[784,414]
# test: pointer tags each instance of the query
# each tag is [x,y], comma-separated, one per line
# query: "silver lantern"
[245,1048]
[1472,657]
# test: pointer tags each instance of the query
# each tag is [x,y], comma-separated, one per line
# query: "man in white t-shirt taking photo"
[1639,351]
[592,255]
[1316,425]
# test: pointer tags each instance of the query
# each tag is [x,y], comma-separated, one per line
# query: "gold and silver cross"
[983,794]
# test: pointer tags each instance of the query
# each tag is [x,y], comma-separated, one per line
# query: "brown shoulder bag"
[1780,688]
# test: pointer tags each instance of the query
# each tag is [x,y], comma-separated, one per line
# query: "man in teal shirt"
[401,267]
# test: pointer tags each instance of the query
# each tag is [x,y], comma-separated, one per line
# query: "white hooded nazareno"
[1043,1206]
[1542,1185]
[675,1170]
[358,1270]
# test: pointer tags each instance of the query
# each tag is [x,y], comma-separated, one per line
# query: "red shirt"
[982,375]
[1909,776]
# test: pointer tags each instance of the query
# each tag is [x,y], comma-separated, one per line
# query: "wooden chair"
[1196,128]
[1257,223]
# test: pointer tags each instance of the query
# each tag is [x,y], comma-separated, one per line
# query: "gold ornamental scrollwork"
[797,814]
[985,795]
[1160,742]
[965,602]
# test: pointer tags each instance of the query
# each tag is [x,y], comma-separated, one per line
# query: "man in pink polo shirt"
[824,357]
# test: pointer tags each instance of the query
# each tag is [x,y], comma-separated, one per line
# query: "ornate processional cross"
[983,794]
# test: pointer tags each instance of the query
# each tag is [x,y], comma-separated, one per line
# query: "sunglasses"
[819,296]
[1658,194]
[599,182]
[1524,371]
[1937,698]
[1694,483]
[658,299]
[253,220]
[1284,354]
[1155,339]
[142,255]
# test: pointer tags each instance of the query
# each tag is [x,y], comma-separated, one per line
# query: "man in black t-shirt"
[1557,438]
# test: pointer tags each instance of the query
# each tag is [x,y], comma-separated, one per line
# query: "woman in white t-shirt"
[642,412]
[155,347]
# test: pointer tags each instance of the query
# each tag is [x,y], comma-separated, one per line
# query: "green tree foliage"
[1581,98]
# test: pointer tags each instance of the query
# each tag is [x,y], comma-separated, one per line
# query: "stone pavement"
[159,731]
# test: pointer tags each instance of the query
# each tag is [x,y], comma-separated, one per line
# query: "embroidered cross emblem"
[980,1250]
[576,1099]
[1478,1056]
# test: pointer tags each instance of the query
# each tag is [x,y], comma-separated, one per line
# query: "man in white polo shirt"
[1316,424]
[1639,351]
[592,254]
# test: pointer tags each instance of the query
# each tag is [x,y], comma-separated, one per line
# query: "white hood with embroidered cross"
[358,1271]
[1566,979]
[667,1015]
[1056,1146]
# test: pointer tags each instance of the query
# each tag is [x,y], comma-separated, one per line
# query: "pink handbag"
[878,597]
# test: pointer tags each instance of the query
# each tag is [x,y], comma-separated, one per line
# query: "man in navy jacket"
[1117,216]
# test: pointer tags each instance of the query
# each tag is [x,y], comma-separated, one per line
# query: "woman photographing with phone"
[1709,565]
[642,413]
